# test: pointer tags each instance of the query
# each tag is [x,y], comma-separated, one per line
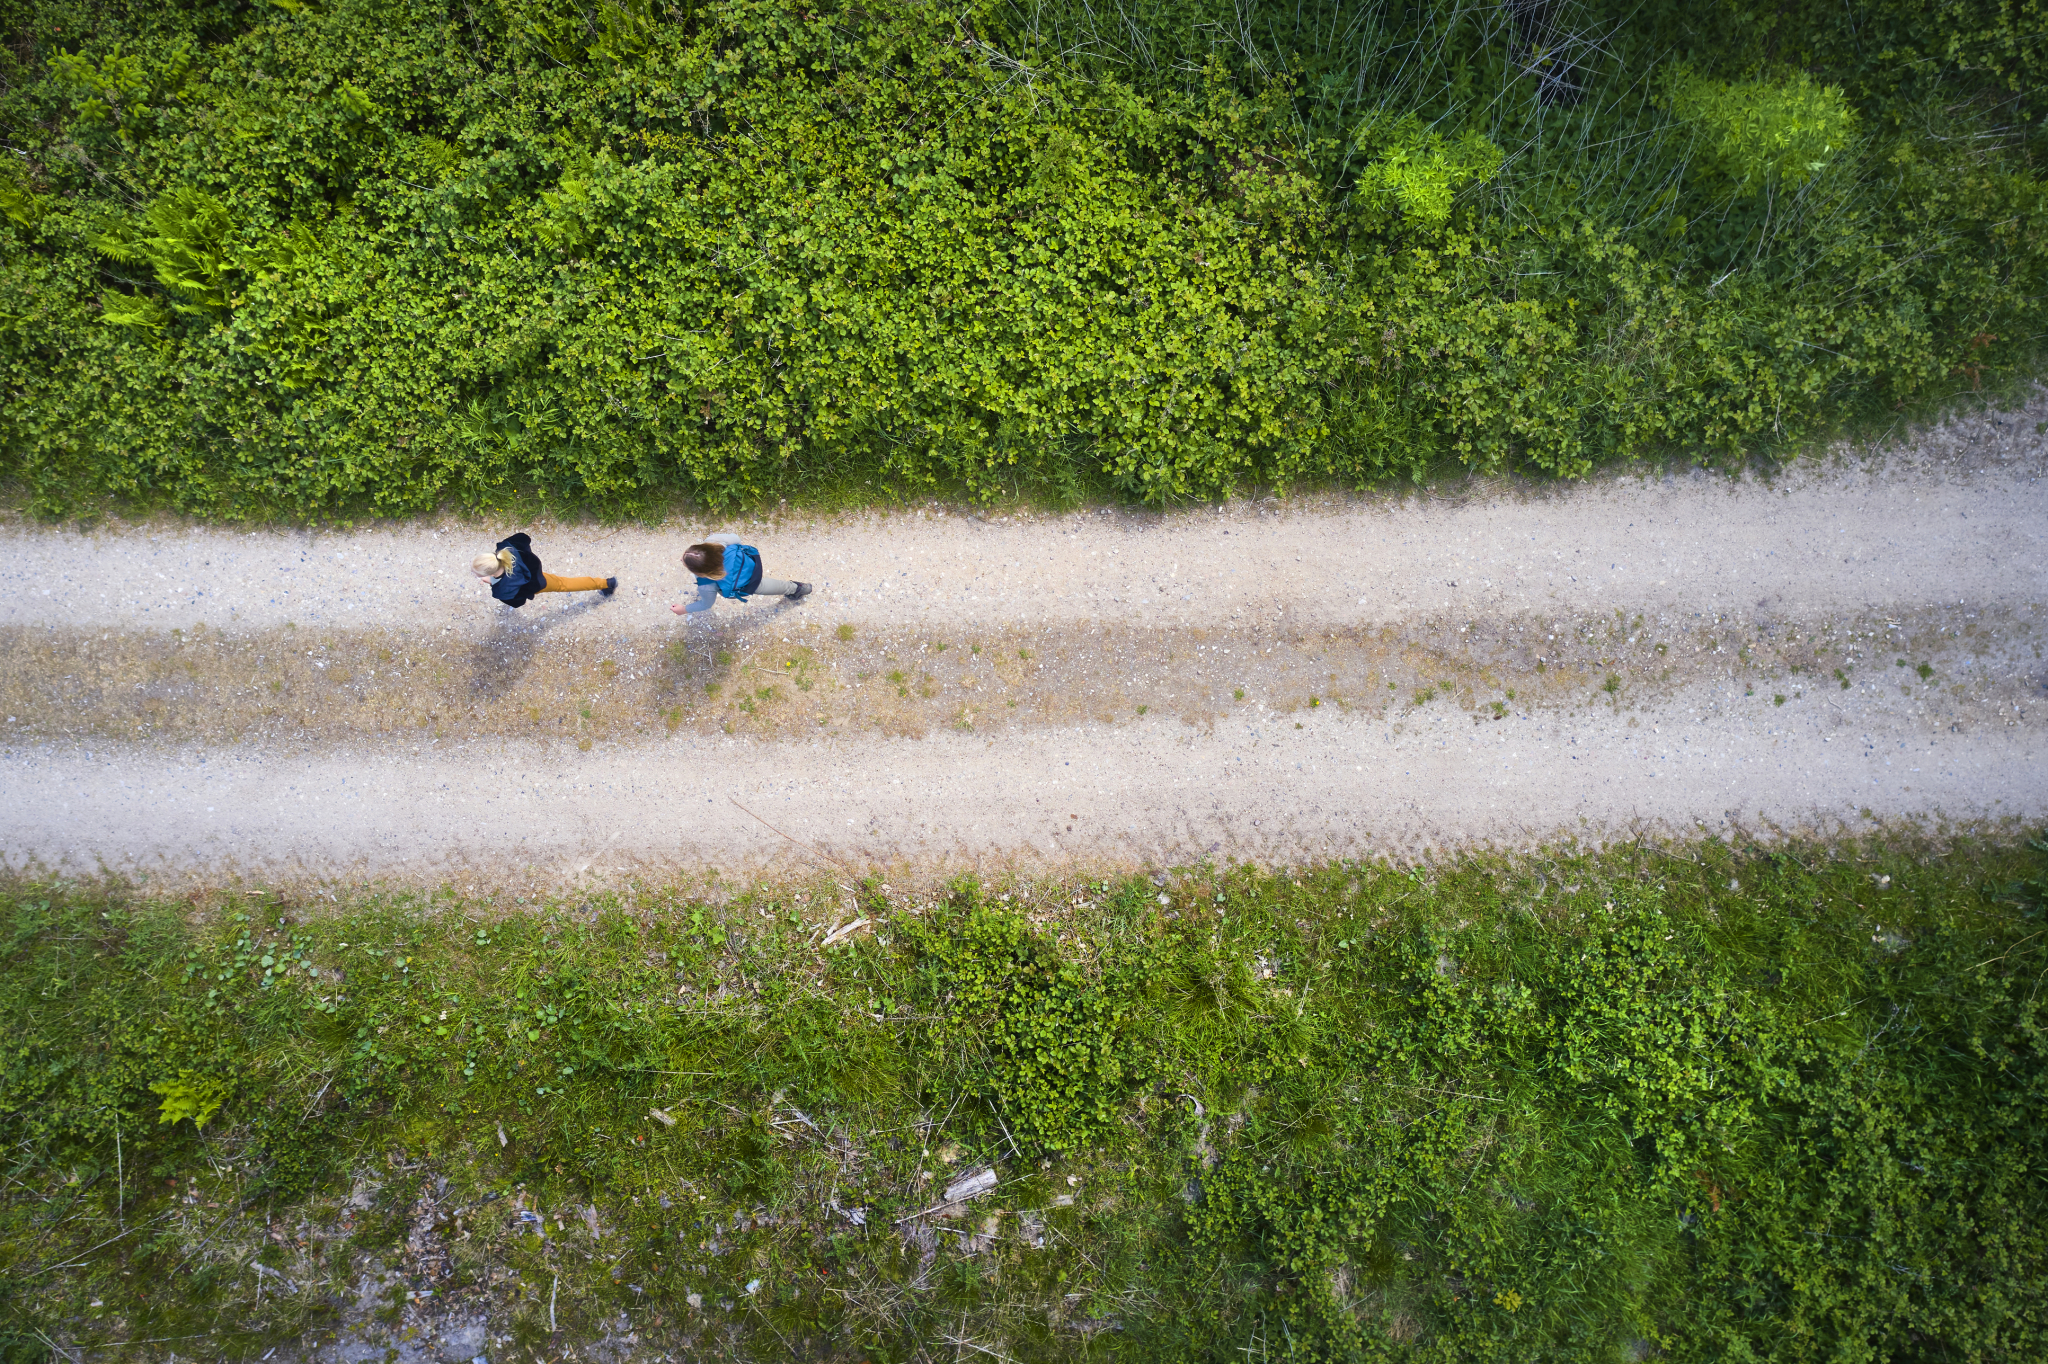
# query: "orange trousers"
[558,582]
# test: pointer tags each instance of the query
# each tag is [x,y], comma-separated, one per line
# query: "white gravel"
[1819,539]
[1959,522]
[1154,792]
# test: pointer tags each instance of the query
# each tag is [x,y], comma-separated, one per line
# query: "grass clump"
[1706,1101]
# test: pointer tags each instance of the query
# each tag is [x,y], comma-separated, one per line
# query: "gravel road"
[1860,639]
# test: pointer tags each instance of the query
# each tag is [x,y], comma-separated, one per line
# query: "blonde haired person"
[727,568]
[516,577]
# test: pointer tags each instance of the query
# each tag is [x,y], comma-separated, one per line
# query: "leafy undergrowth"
[303,260]
[1697,1102]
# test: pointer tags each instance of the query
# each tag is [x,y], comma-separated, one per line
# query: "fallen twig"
[66,1264]
[798,841]
[838,934]
[317,1098]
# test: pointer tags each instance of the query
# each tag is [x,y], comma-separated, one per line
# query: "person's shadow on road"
[500,659]
[703,657]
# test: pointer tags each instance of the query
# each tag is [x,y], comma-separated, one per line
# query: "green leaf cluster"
[1054,1068]
[1417,171]
[190,1096]
[1767,132]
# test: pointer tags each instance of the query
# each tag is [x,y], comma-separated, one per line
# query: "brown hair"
[706,561]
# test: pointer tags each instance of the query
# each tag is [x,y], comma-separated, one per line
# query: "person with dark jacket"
[516,577]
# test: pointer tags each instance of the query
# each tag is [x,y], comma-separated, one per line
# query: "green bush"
[1416,172]
[1804,1182]
[190,1097]
[307,260]
[1768,133]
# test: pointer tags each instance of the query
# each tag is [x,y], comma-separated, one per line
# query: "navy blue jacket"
[517,585]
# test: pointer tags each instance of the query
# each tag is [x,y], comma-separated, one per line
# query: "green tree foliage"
[309,259]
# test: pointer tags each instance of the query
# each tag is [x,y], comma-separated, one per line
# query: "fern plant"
[186,240]
[193,249]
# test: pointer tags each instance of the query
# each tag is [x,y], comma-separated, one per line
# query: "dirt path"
[1277,681]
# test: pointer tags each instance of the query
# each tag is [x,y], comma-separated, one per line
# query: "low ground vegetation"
[1697,1102]
[320,686]
[308,259]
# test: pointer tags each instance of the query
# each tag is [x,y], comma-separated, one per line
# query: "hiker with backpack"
[513,570]
[727,568]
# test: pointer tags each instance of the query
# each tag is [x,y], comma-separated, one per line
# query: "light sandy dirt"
[1860,639]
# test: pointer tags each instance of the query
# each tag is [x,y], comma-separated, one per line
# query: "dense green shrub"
[292,260]
[1812,1185]
[1766,134]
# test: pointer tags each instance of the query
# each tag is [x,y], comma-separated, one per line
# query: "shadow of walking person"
[500,659]
[702,663]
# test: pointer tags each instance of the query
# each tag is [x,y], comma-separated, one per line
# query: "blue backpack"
[742,572]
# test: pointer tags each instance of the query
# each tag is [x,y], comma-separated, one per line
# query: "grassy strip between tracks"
[1703,1101]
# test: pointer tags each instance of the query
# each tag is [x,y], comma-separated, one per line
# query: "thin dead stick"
[963,1202]
[849,930]
[1454,1093]
[1012,1140]
[798,841]
[2008,951]
[755,1308]
[66,1264]
[317,1098]
[921,1212]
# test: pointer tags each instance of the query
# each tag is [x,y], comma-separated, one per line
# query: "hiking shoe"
[611,585]
[802,590]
